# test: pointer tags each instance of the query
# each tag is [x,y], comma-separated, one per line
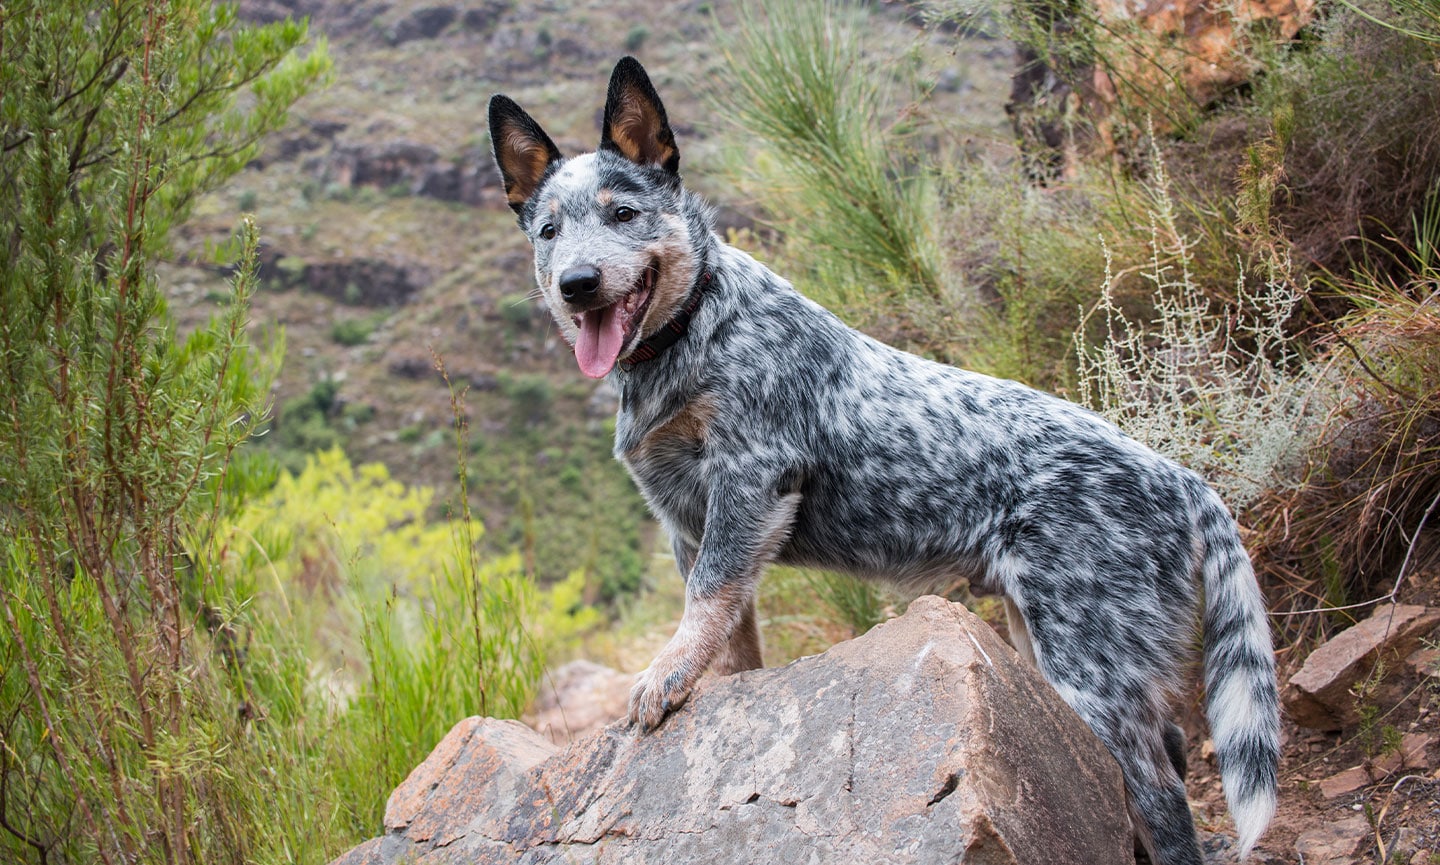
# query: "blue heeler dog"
[760,428]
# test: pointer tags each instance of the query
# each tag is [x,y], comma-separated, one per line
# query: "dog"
[760,429]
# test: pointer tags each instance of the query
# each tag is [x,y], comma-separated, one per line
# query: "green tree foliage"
[114,117]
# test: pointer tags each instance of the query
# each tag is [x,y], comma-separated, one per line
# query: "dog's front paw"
[658,691]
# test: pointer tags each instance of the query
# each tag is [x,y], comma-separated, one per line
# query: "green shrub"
[806,98]
[354,331]
[289,272]
[516,309]
[120,740]
[532,395]
[409,627]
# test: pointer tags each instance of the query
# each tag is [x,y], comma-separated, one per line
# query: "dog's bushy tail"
[1241,701]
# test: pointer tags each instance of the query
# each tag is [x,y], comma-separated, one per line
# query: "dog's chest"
[667,462]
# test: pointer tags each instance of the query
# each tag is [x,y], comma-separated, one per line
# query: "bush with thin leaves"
[116,736]
[1224,390]
[404,627]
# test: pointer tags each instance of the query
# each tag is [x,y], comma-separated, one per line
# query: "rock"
[414,169]
[1347,781]
[925,741]
[263,11]
[426,23]
[411,364]
[394,163]
[1319,696]
[1166,60]
[579,699]
[604,401]
[482,18]
[1334,843]
[1425,662]
[1197,42]
[1408,845]
[365,281]
[1411,755]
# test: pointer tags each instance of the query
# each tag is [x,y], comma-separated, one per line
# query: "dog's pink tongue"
[601,335]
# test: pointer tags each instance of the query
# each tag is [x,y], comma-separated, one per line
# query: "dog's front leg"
[745,525]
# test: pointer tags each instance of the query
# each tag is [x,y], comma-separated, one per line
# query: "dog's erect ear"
[635,124]
[522,150]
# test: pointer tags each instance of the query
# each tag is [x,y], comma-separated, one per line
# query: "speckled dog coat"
[761,428]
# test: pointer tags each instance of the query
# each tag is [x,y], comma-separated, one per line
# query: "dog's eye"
[547,231]
[624,214]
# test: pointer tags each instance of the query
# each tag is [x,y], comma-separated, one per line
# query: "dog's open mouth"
[604,332]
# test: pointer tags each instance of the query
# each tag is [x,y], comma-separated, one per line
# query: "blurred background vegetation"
[246,477]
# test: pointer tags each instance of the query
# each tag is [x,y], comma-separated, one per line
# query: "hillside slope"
[387,239]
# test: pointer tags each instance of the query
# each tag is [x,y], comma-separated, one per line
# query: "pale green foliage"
[404,629]
[1221,389]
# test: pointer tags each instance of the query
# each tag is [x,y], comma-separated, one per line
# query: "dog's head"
[613,251]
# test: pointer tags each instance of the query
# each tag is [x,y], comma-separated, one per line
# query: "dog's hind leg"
[1109,650]
[1175,749]
[1159,809]
[1121,701]
[1019,632]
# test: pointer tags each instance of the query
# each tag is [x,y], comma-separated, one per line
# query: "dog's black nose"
[578,284]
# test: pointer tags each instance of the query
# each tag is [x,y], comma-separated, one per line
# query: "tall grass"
[827,150]
[971,262]
[1365,520]
[403,628]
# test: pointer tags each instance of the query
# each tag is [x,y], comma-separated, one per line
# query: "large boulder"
[925,741]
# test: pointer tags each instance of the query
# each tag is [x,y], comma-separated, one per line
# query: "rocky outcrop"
[424,23]
[925,741]
[1321,695]
[353,281]
[1199,44]
[415,169]
[1165,59]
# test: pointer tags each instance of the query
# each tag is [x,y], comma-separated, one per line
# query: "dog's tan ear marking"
[635,125]
[522,150]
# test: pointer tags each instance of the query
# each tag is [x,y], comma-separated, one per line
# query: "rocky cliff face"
[925,741]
